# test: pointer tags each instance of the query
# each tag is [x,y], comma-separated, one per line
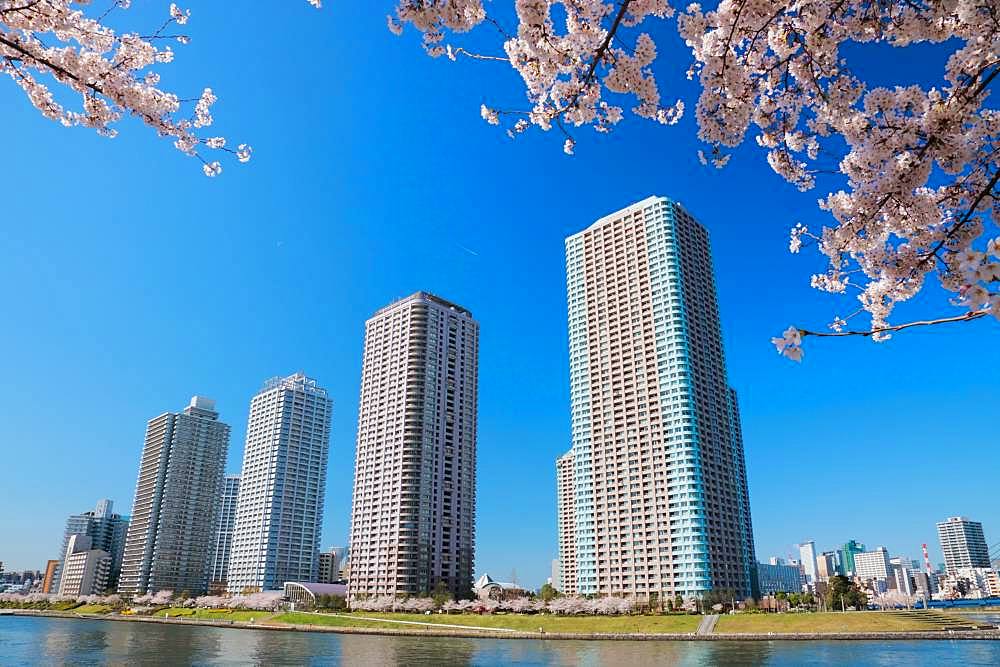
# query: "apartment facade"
[107,532]
[85,570]
[279,514]
[873,565]
[224,534]
[566,512]
[963,544]
[177,496]
[661,500]
[413,511]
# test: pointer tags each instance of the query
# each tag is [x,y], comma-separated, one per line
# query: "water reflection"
[52,641]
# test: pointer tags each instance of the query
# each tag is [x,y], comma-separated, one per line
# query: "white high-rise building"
[807,555]
[413,515]
[660,487]
[873,565]
[224,533]
[279,514]
[170,538]
[963,544]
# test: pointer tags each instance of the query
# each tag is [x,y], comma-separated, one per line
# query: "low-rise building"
[303,594]
[486,587]
[85,571]
[779,578]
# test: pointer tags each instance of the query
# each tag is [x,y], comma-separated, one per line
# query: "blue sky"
[129,282]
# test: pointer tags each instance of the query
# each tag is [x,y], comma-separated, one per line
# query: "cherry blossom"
[916,167]
[911,195]
[72,44]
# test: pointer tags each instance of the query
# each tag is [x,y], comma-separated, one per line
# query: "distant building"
[926,585]
[779,578]
[963,544]
[566,524]
[486,587]
[970,582]
[224,534]
[873,566]
[50,571]
[847,553]
[555,575]
[279,514]
[902,575]
[807,556]
[107,532]
[330,564]
[177,497]
[85,571]
[826,565]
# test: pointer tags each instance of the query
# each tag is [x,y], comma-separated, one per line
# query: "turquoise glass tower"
[660,500]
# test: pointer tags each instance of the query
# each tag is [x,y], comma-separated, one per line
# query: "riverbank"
[453,630]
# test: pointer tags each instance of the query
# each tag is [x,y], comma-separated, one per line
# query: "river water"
[57,641]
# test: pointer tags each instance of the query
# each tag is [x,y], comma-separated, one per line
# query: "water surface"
[58,641]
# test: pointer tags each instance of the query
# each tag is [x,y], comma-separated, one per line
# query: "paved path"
[707,625]
[430,625]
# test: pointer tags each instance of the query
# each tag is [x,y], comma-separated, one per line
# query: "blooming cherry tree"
[914,196]
[113,73]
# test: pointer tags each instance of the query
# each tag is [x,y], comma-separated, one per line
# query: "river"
[58,641]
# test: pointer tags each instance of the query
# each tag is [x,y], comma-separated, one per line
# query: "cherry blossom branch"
[965,317]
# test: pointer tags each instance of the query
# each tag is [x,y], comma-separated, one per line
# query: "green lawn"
[214,614]
[93,609]
[43,606]
[524,622]
[853,621]
[299,618]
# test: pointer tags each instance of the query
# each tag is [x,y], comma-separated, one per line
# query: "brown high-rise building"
[413,519]
[50,572]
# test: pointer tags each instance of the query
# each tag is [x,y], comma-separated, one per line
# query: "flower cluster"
[563,605]
[110,71]
[568,65]
[778,67]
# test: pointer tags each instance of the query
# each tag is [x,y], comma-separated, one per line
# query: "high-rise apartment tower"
[660,488]
[963,544]
[413,520]
[279,514]
[224,534]
[170,539]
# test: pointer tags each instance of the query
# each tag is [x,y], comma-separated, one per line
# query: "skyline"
[761,556]
[114,302]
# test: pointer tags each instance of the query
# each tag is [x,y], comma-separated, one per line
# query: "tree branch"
[971,315]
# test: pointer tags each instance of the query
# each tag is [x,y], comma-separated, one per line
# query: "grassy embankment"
[525,623]
[215,614]
[855,621]
[92,609]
